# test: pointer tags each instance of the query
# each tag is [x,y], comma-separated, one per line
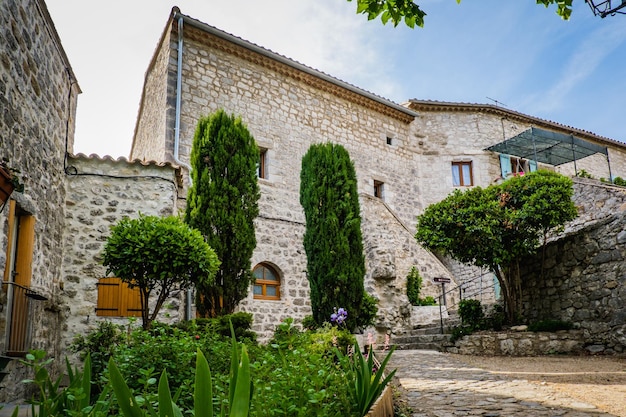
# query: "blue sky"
[515,52]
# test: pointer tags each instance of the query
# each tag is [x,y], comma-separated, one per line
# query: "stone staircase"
[428,336]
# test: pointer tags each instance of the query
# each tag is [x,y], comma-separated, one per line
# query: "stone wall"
[157,107]
[514,343]
[38,94]
[100,192]
[584,273]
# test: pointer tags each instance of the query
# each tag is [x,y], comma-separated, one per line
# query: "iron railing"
[18,307]
[466,291]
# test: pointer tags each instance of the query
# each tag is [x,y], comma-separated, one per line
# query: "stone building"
[38,95]
[406,157]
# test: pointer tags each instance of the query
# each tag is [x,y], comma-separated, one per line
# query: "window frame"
[379,189]
[265,283]
[262,164]
[458,165]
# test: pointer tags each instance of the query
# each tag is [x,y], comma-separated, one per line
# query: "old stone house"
[406,157]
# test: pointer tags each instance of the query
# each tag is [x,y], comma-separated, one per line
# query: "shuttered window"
[115,299]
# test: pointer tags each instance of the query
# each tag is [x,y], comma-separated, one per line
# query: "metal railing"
[465,291]
[18,307]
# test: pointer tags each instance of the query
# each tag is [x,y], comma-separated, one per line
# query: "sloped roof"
[434,105]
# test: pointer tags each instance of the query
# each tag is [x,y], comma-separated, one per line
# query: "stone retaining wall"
[512,343]
[583,277]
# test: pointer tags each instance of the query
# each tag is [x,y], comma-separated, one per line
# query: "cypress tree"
[222,203]
[332,240]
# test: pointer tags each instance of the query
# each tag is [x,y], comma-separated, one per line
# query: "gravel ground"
[598,380]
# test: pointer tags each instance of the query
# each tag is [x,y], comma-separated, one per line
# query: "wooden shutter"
[115,299]
[505,165]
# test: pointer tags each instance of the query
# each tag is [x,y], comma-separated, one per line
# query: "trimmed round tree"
[222,204]
[159,255]
[332,240]
[496,226]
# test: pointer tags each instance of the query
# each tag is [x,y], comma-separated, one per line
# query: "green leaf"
[203,395]
[127,402]
[165,397]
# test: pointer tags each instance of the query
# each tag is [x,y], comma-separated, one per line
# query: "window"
[115,299]
[267,282]
[17,278]
[389,140]
[512,166]
[378,189]
[462,174]
[262,165]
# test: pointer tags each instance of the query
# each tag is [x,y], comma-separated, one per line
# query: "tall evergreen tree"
[332,240]
[222,203]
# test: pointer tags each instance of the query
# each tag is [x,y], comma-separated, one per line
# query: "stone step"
[428,342]
[418,338]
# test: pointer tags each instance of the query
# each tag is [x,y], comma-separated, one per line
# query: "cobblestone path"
[439,385]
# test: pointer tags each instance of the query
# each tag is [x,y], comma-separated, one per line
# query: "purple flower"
[339,316]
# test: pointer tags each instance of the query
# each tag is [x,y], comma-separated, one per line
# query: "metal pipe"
[179,92]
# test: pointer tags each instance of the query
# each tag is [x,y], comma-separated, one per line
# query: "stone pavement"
[438,385]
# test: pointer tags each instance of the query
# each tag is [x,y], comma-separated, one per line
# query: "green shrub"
[413,286]
[550,326]
[619,181]
[368,380]
[471,313]
[297,374]
[369,309]
[241,321]
[309,323]
[99,344]
[427,301]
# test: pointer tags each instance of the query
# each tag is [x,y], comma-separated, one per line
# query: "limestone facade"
[38,95]
[287,107]
[99,193]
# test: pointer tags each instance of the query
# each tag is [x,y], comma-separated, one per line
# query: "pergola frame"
[604,8]
[550,148]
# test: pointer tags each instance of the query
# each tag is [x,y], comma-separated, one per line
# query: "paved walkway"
[440,386]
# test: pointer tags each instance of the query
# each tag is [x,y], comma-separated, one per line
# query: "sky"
[517,53]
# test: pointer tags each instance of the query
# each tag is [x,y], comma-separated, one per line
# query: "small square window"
[262,164]
[378,189]
[389,140]
[462,174]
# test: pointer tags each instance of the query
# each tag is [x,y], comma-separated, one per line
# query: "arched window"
[267,284]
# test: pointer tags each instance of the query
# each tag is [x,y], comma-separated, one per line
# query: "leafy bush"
[550,326]
[428,301]
[619,181]
[369,309]
[298,374]
[309,323]
[471,312]
[99,344]
[71,400]
[369,380]
[241,322]
[414,288]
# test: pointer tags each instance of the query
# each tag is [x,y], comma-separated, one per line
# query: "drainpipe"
[179,83]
